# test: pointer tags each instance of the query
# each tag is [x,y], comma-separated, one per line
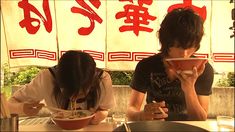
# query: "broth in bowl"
[185,65]
[71,115]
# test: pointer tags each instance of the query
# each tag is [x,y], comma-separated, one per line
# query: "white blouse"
[41,88]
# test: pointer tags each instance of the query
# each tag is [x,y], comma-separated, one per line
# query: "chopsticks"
[162,111]
[5,112]
[127,128]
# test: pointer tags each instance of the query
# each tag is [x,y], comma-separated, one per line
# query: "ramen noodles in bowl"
[185,65]
[71,120]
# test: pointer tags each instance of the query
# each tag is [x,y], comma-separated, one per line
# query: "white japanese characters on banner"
[117,33]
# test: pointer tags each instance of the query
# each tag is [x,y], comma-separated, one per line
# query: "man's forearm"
[133,114]
[194,108]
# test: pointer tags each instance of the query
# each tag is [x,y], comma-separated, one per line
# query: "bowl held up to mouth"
[185,65]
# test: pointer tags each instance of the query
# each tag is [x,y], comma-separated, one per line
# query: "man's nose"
[184,54]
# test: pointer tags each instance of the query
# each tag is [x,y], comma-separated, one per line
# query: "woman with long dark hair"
[75,78]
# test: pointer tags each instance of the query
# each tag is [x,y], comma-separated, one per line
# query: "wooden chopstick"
[127,128]
[162,111]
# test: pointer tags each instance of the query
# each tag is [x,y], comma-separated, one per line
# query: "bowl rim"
[170,59]
[74,119]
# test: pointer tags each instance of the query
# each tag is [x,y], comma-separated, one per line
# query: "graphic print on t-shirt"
[170,91]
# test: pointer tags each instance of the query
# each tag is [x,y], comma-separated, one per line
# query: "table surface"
[209,125]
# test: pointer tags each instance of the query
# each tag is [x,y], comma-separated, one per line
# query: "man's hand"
[188,80]
[152,111]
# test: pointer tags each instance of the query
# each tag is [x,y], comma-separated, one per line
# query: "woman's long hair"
[76,72]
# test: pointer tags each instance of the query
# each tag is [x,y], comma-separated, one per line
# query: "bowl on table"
[68,121]
[185,65]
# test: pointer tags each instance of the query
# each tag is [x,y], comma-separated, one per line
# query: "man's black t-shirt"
[150,77]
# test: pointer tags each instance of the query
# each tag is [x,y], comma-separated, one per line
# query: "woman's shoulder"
[44,74]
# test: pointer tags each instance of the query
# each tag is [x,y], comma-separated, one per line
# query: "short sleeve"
[38,89]
[35,90]
[204,83]
[140,78]
[107,100]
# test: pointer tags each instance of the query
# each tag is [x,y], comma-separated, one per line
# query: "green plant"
[8,75]
[20,76]
[17,77]
[121,77]
[231,78]
[227,81]
[25,75]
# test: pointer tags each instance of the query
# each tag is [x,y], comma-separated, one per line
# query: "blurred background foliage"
[121,77]
[14,77]
[227,81]
[24,75]
[21,76]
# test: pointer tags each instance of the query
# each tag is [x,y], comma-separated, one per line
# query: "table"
[209,125]
[100,127]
